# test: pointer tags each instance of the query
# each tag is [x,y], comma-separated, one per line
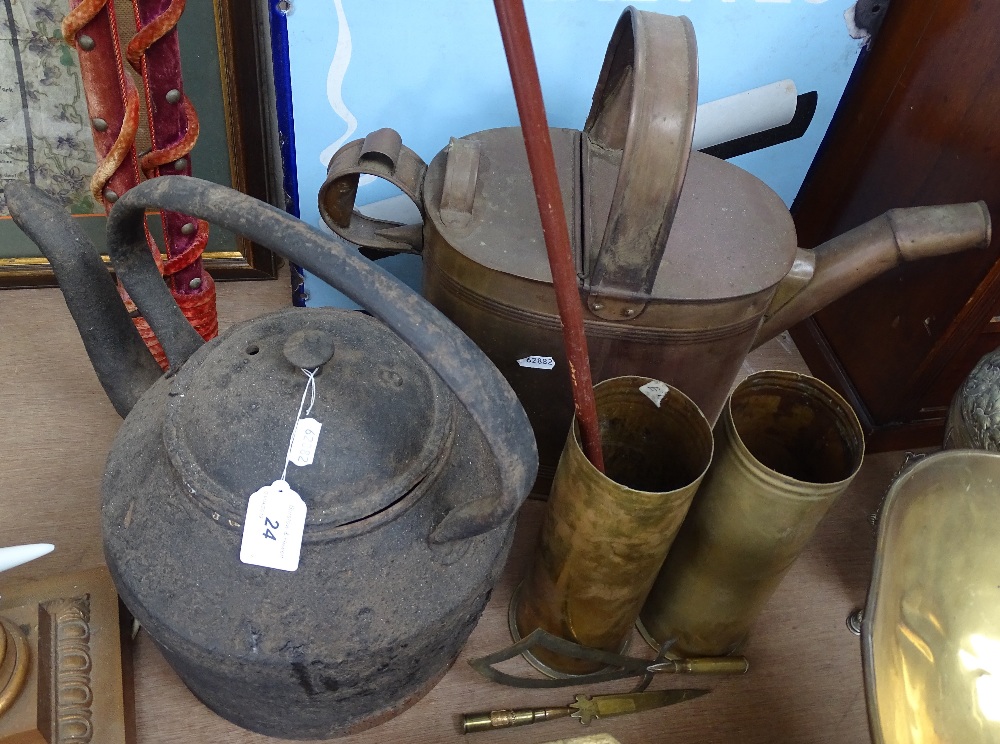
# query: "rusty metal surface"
[723,209]
[117,351]
[505,233]
[407,528]
[381,154]
[652,124]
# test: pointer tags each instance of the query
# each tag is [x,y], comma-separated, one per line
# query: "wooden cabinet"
[919,124]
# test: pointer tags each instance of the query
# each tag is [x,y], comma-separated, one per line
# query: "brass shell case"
[605,536]
[787,447]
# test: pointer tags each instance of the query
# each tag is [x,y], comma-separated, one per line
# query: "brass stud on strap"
[99,124]
[188,228]
[180,164]
[110,196]
[854,621]
[173,96]
[195,283]
[85,42]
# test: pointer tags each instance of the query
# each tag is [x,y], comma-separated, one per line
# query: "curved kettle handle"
[644,105]
[464,368]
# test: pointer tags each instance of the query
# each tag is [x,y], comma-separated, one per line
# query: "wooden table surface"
[804,685]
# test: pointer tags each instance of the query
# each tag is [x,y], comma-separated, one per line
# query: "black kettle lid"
[386,417]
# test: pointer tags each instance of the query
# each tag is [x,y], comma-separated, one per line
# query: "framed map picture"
[45,134]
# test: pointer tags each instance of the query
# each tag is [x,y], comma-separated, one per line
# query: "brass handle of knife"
[703,665]
[472,722]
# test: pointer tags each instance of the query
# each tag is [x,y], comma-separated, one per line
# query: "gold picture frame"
[226,63]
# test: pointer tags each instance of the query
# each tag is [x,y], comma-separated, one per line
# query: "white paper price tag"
[655,390]
[272,531]
[537,362]
[302,448]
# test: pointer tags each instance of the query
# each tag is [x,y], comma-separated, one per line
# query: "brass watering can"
[685,261]
[420,461]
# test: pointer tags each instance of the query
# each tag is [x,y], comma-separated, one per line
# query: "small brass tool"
[617,666]
[585,709]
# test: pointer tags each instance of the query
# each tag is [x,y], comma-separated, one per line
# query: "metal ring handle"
[382,154]
[473,378]
[644,105]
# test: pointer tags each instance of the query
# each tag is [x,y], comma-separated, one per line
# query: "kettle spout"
[124,366]
[833,269]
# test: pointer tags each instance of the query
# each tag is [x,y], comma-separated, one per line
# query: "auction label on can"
[537,362]
[655,390]
[272,531]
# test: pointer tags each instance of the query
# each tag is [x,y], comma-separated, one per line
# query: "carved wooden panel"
[68,683]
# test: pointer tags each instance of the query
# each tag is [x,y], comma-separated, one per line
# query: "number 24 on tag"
[272,531]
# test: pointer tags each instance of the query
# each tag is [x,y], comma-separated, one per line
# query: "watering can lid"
[386,418]
[731,236]
[653,220]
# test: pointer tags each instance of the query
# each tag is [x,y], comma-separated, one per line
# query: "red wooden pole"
[541,161]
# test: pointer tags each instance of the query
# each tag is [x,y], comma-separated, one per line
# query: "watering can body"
[685,262]
[417,472]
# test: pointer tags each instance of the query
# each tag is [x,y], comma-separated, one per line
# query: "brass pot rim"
[688,405]
[837,406]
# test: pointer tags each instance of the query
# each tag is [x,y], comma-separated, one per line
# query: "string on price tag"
[276,514]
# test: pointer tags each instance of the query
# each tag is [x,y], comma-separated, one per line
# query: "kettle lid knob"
[309,348]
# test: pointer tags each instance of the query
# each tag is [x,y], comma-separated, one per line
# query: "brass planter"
[605,536]
[787,446]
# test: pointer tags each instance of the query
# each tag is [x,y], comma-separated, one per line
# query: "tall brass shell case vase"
[788,445]
[605,536]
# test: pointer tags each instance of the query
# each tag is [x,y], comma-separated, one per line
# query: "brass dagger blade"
[605,706]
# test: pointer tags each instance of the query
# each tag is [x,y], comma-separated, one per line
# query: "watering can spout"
[820,276]
[124,366]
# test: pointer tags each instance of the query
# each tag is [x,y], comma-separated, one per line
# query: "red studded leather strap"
[113,104]
[154,52]
[112,100]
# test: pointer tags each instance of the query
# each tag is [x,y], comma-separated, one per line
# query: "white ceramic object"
[21,554]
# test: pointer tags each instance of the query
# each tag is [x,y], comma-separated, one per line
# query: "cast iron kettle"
[424,457]
[685,261]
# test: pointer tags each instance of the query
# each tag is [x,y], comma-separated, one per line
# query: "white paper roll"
[20,554]
[745,113]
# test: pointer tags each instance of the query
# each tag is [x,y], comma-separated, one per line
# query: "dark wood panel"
[919,124]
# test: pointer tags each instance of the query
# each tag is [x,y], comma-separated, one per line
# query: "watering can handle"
[475,381]
[382,154]
[644,105]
